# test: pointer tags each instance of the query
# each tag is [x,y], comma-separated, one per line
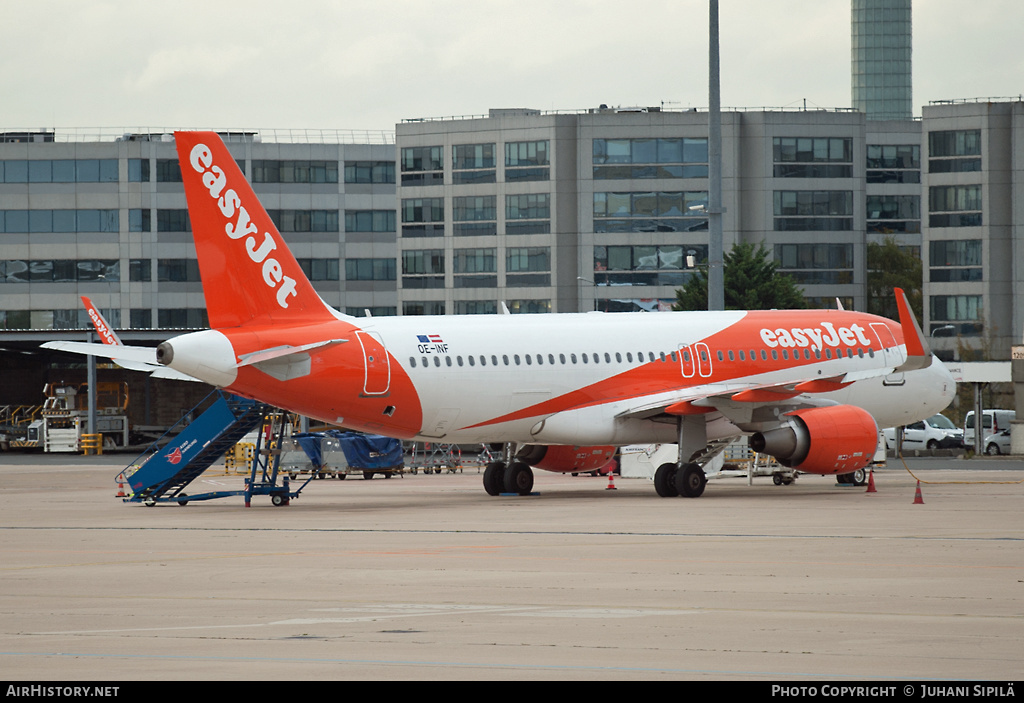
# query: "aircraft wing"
[737,401]
[129,357]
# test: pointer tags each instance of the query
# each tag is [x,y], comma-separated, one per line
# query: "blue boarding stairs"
[162,472]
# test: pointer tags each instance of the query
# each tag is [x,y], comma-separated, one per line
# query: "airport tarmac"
[425,577]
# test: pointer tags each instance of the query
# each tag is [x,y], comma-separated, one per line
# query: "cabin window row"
[606,357]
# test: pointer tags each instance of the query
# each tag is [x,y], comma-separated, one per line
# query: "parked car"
[937,432]
[998,443]
[993,422]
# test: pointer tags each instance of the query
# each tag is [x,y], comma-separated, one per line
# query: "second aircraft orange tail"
[249,274]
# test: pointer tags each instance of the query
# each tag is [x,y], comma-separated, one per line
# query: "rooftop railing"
[166,134]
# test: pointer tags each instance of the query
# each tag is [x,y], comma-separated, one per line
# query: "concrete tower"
[881,43]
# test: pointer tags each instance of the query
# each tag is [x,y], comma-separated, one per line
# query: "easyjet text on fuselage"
[815,337]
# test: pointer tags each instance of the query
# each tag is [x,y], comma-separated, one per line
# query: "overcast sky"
[367,64]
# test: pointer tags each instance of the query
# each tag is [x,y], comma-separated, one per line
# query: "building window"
[965,313]
[423,217]
[650,158]
[423,268]
[474,215]
[140,220]
[422,165]
[321,269]
[60,270]
[294,171]
[957,151]
[370,269]
[59,171]
[173,221]
[475,268]
[816,264]
[517,307]
[168,171]
[523,264]
[140,318]
[527,161]
[828,302]
[650,212]
[369,220]
[473,163]
[476,307]
[528,213]
[305,220]
[647,265]
[375,311]
[423,307]
[369,172]
[56,221]
[182,318]
[807,157]
[138,170]
[888,214]
[955,261]
[140,270]
[954,206]
[177,271]
[813,210]
[894,163]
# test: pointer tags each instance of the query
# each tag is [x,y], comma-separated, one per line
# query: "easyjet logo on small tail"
[101,327]
[239,224]
[815,337]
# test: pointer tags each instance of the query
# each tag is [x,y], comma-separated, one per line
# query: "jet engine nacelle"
[564,458]
[832,440]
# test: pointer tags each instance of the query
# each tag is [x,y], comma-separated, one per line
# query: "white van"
[993,422]
[937,432]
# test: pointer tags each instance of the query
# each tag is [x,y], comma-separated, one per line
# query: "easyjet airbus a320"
[809,387]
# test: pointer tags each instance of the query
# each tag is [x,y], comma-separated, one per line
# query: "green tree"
[752,282]
[891,266]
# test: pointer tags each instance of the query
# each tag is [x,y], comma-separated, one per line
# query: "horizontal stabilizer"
[282,351]
[142,355]
[127,357]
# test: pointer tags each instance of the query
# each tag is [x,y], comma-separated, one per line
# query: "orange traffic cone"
[120,491]
[611,482]
[871,482]
[918,500]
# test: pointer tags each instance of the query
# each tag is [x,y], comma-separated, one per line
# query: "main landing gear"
[684,477]
[688,480]
[500,477]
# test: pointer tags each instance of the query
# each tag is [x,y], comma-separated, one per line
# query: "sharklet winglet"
[919,354]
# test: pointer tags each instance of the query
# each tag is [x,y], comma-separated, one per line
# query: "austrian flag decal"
[431,344]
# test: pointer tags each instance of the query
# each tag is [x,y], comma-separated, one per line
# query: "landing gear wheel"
[844,478]
[665,481]
[519,479]
[859,477]
[494,478]
[690,481]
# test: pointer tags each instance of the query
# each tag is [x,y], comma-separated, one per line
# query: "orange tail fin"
[249,274]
